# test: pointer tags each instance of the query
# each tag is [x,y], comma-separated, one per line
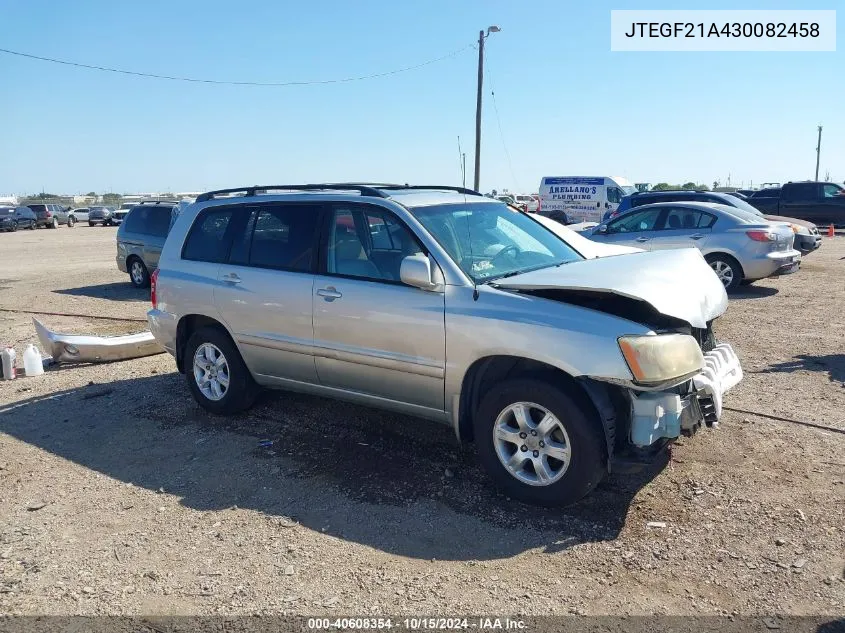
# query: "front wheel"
[71,221]
[14,227]
[538,444]
[90,223]
[32,226]
[138,274]
[727,269]
[217,375]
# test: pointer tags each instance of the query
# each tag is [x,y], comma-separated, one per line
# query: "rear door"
[683,227]
[636,228]
[263,289]
[801,200]
[832,205]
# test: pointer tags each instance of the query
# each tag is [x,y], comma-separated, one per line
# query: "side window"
[613,195]
[158,221]
[683,218]
[638,221]
[284,237]
[832,191]
[367,242]
[135,220]
[207,240]
[800,191]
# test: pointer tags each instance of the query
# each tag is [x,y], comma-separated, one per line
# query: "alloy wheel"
[724,272]
[532,444]
[211,371]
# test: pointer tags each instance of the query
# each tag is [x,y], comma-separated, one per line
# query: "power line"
[504,144]
[122,71]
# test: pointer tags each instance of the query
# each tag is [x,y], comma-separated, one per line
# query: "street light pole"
[481,37]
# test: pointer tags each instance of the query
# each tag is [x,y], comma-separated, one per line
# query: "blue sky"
[567,104]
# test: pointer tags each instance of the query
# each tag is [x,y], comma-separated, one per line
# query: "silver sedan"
[739,246]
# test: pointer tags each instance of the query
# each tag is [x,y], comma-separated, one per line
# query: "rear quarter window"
[207,240]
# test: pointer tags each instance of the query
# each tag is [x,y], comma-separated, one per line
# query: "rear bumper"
[657,416]
[772,264]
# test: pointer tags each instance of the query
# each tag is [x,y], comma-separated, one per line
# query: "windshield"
[491,240]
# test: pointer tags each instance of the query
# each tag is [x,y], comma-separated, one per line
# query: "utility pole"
[818,153]
[481,38]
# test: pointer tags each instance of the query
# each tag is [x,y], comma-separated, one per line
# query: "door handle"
[329,293]
[642,239]
[697,236]
[231,278]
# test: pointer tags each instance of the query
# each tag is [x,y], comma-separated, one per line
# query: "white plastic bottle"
[8,356]
[32,364]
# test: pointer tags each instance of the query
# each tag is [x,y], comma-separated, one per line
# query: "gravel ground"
[118,495]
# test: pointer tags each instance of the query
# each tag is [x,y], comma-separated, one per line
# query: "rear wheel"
[538,444]
[217,375]
[32,225]
[71,221]
[14,227]
[138,273]
[727,269]
[55,223]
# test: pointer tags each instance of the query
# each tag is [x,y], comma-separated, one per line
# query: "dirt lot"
[151,505]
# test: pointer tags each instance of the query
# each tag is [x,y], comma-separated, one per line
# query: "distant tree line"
[687,186]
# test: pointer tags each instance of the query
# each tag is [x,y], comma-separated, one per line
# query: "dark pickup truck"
[822,203]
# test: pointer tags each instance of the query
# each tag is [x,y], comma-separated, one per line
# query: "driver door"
[373,334]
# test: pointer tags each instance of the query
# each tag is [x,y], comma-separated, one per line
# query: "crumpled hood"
[677,283]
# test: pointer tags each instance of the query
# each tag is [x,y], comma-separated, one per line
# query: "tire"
[55,223]
[14,227]
[90,223]
[70,221]
[569,480]
[138,273]
[727,269]
[33,226]
[559,216]
[240,392]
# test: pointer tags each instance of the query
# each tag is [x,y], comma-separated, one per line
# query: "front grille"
[705,337]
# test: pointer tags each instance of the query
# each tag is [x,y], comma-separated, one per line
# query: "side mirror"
[601,229]
[416,271]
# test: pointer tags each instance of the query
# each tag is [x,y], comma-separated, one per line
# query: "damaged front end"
[679,378]
[83,348]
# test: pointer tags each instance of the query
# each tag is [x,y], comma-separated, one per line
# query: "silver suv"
[440,303]
[140,238]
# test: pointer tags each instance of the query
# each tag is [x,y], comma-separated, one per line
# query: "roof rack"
[155,202]
[463,190]
[364,190]
[375,190]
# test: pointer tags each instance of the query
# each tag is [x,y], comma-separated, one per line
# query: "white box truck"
[582,198]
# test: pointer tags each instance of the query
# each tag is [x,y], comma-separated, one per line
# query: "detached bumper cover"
[81,348]
[721,372]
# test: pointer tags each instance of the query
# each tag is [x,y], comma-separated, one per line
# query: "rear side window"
[38,207]
[207,240]
[684,218]
[800,191]
[149,220]
[284,237]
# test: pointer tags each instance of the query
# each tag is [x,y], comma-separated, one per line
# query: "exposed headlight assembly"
[660,358]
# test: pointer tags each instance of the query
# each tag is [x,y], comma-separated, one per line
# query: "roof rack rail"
[155,202]
[464,190]
[364,190]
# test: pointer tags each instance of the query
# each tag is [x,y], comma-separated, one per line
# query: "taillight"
[762,236]
[49,214]
[153,297]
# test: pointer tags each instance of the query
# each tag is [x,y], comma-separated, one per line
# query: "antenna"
[818,153]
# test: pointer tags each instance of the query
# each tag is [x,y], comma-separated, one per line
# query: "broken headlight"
[660,358]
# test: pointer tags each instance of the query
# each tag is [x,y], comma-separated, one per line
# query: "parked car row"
[565,355]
